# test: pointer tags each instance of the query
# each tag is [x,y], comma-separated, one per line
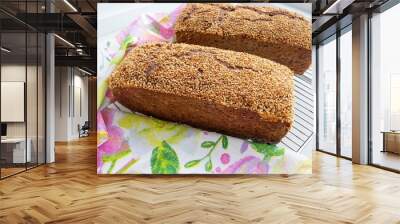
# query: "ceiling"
[76,21]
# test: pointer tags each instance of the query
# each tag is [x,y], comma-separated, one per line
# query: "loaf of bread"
[219,90]
[272,33]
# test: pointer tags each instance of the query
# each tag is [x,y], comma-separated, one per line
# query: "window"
[327,95]
[22,101]
[346,92]
[385,89]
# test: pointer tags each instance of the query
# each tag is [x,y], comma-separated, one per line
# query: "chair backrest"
[86,125]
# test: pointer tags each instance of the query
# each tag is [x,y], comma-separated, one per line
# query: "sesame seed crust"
[272,33]
[220,90]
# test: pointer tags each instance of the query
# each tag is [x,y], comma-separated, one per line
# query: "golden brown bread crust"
[272,33]
[236,93]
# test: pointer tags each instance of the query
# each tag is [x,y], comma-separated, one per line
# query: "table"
[391,141]
[17,150]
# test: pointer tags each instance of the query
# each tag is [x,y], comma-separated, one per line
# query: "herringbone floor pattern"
[69,191]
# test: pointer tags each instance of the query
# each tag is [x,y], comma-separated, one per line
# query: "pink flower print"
[114,141]
[109,94]
[225,158]
[108,115]
[133,26]
[248,165]
[244,147]
[166,32]
[99,158]
[101,128]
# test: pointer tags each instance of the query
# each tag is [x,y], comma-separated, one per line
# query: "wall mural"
[134,143]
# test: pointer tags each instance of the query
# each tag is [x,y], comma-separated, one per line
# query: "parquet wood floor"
[10,171]
[70,191]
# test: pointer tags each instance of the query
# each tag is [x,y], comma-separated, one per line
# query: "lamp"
[70,5]
[5,50]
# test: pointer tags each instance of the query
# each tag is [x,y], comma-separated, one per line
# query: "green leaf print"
[208,166]
[101,92]
[164,160]
[207,144]
[114,158]
[267,150]
[211,146]
[224,142]
[154,130]
[127,41]
[192,163]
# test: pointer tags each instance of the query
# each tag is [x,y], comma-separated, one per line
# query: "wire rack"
[303,127]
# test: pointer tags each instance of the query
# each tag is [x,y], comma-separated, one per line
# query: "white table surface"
[13,140]
[19,150]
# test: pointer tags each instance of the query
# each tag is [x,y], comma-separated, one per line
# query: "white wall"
[62,81]
[12,73]
[9,73]
[33,127]
[80,109]
[71,94]
[16,72]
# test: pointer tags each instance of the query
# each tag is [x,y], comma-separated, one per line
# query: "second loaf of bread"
[230,92]
[269,32]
